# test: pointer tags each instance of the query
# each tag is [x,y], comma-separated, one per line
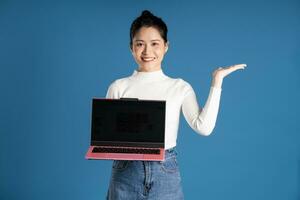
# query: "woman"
[152,179]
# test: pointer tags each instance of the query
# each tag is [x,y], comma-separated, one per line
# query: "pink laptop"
[127,129]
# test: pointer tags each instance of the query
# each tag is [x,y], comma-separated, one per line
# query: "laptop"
[127,129]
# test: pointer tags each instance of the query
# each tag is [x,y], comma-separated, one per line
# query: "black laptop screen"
[128,121]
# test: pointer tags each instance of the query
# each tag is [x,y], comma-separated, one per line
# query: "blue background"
[56,56]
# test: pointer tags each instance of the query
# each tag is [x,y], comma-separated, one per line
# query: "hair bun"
[147,13]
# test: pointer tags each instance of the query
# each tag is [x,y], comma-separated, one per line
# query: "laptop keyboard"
[125,150]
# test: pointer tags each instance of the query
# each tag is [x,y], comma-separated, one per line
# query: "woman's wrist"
[217,82]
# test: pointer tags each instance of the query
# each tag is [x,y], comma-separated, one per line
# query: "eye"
[139,44]
[155,44]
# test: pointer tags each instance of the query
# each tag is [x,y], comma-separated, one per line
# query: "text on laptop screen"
[128,121]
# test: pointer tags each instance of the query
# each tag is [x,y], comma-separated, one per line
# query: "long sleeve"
[202,120]
[112,92]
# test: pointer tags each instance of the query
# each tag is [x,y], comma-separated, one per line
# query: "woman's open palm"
[222,72]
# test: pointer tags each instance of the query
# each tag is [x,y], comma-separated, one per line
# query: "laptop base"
[124,156]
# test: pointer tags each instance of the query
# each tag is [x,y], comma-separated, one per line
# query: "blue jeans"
[137,180]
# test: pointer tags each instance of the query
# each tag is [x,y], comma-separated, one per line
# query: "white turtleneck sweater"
[178,94]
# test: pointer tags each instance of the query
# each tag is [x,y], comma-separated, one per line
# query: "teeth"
[148,59]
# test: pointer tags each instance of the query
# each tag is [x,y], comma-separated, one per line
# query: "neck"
[149,69]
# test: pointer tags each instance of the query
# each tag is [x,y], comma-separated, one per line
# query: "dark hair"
[147,19]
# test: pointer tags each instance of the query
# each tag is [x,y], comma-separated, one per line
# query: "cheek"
[159,53]
[135,52]
[138,51]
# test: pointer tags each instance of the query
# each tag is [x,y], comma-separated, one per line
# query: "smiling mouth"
[148,59]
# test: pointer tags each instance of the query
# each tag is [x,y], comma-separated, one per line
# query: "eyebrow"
[143,40]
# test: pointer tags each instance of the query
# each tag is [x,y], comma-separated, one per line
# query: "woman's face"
[148,49]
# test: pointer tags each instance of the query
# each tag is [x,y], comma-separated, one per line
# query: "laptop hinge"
[129,99]
[127,144]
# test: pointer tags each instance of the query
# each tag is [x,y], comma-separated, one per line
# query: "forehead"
[147,34]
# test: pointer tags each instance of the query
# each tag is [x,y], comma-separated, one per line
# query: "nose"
[146,50]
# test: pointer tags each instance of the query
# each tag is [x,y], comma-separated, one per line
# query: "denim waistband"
[170,152]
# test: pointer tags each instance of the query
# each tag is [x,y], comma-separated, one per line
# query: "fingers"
[239,66]
[236,67]
[227,70]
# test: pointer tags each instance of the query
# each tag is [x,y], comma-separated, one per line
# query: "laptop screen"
[128,121]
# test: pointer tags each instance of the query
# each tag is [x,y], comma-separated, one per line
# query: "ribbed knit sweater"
[179,96]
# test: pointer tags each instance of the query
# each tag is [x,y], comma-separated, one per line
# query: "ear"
[166,46]
[130,47]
